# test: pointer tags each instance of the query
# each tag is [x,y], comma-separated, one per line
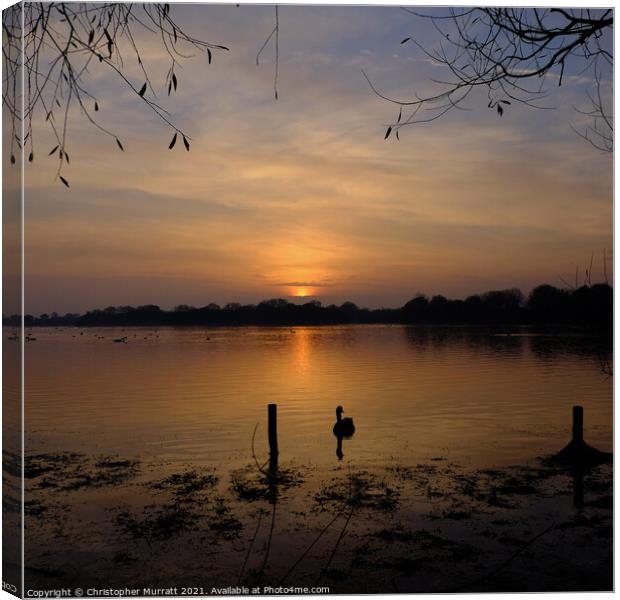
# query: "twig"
[247,556]
[269,539]
[500,566]
[307,550]
[275,31]
[342,532]
[258,466]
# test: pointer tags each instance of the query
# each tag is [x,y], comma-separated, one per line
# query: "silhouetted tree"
[514,54]
[588,307]
[547,302]
[183,308]
[594,304]
[64,43]
[417,309]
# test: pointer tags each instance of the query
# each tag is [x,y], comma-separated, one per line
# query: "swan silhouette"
[343,427]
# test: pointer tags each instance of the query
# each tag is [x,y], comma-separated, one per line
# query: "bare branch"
[61,41]
[501,49]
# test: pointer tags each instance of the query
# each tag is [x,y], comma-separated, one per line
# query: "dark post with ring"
[578,424]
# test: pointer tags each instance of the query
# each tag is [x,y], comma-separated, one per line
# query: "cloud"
[313,284]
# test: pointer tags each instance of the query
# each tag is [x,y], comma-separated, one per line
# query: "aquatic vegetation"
[360,490]
[412,526]
[34,508]
[156,523]
[71,471]
[184,486]
[250,484]
[222,521]
[190,507]
[40,464]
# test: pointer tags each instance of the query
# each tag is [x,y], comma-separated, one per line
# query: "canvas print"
[307,299]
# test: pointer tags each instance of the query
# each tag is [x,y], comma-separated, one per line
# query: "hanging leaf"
[120,145]
[53,150]
[64,181]
[174,81]
[107,35]
[186,143]
[400,114]
[169,88]
[67,157]
[96,106]
[500,110]
[405,40]
[209,55]
[30,157]
[142,90]
[91,36]
[173,142]
[387,133]
[12,159]
[397,136]
[505,101]
[174,31]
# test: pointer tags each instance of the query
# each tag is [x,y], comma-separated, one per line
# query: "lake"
[144,455]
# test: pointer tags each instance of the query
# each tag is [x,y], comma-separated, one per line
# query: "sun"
[302,292]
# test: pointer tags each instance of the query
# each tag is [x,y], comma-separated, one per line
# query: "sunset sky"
[303,196]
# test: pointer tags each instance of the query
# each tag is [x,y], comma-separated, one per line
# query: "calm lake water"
[140,467]
[471,395]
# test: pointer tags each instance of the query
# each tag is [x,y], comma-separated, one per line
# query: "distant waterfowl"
[343,427]
[122,340]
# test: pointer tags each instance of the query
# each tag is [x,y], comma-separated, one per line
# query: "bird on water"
[343,427]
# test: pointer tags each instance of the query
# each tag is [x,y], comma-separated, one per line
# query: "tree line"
[590,306]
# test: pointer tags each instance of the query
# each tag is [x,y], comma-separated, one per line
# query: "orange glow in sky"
[302,292]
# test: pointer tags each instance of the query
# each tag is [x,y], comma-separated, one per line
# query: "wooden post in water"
[577,453]
[578,424]
[272,428]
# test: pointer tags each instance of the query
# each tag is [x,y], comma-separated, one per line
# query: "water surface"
[476,396]
[145,465]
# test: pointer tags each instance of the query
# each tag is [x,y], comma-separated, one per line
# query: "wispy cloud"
[313,284]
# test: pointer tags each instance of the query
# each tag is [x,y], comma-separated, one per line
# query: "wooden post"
[272,412]
[578,424]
